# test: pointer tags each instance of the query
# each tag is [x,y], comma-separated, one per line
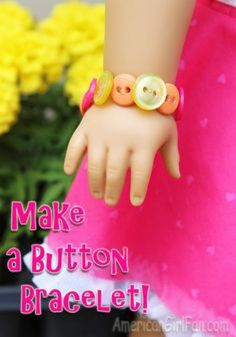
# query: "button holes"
[118,89]
[170,99]
[123,91]
[150,92]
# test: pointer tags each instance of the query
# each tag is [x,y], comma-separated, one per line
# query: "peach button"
[122,88]
[172,100]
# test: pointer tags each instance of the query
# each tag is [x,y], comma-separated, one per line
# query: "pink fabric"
[182,240]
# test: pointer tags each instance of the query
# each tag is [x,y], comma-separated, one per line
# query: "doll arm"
[146,36]
[141,36]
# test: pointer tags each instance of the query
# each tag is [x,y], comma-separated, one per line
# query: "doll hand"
[118,138]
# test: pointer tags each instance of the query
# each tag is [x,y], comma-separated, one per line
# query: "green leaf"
[32,155]
[53,193]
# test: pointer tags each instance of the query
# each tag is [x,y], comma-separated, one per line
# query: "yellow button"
[149,92]
[103,88]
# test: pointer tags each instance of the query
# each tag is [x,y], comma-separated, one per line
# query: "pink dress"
[182,241]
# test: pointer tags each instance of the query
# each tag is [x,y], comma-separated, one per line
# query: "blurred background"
[49,52]
[43,7]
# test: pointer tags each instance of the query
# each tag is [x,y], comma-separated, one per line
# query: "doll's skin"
[142,36]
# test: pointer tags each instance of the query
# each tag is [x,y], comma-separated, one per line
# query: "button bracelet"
[149,92]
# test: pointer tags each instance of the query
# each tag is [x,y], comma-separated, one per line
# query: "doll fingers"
[75,152]
[117,165]
[141,169]
[96,170]
[170,155]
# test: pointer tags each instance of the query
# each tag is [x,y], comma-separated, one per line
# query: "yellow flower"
[8,74]
[35,55]
[79,27]
[40,62]
[14,22]
[80,75]
[14,18]
[30,84]
[9,105]
[4,128]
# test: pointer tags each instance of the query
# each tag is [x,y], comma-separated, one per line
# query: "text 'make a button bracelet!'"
[148,92]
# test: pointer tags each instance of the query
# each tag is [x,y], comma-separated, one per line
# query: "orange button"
[121,91]
[172,100]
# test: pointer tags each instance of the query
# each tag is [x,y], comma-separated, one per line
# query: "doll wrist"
[149,92]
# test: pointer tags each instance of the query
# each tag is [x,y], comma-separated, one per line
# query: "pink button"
[179,112]
[87,100]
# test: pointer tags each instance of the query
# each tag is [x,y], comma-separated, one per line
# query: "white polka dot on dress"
[204,123]
[211,250]
[230,196]
[190,179]
[193,23]
[179,224]
[141,209]
[195,293]
[232,310]
[114,215]
[221,79]
[164,266]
